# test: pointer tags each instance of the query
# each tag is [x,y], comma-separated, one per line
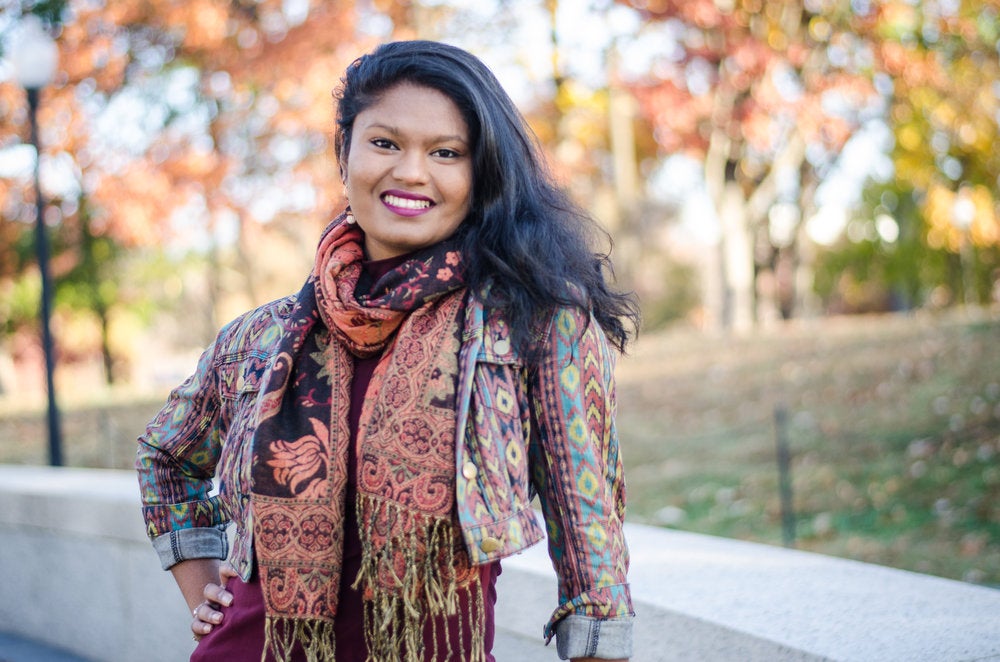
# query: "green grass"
[893,426]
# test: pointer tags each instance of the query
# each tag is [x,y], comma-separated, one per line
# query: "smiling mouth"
[405,203]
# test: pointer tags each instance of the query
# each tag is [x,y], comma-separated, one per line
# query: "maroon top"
[240,636]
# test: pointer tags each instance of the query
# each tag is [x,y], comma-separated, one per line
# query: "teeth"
[406,203]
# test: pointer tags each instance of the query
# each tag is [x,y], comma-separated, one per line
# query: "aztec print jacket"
[547,430]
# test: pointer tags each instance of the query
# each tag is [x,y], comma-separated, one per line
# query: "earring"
[349,217]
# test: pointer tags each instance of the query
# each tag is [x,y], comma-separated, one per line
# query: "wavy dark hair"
[523,237]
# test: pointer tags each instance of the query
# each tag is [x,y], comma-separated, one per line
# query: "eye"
[446,153]
[382,143]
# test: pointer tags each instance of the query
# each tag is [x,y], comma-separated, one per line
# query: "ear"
[342,150]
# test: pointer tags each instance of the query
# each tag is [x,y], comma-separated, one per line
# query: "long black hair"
[527,247]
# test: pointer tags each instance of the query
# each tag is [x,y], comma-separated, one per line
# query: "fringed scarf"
[413,561]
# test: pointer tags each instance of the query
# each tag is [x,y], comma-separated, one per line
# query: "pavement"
[512,647]
[507,647]
[14,648]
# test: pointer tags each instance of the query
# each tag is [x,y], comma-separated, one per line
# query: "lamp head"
[33,54]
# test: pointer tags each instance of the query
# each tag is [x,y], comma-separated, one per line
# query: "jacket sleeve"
[577,472]
[176,462]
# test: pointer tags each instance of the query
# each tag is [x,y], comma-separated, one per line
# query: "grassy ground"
[893,424]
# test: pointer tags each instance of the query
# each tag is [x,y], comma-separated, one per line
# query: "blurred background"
[803,193]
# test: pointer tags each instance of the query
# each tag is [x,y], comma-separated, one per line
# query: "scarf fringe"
[434,568]
[282,634]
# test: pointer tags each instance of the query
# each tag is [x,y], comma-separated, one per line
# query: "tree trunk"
[733,304]
[805,301]
[107,358]
[737,254]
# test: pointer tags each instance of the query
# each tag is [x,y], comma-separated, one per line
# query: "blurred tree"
[943,71]
[180,127]
[766,93]
[882,262]
[90,284]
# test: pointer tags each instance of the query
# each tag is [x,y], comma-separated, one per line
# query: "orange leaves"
[203,166]
[305,101]
[752,68]
[91,47]
[677,118]
[703,13]
[205,23]
[134,204]
[147,143]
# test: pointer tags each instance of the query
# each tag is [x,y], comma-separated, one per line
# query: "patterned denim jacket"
[547,430]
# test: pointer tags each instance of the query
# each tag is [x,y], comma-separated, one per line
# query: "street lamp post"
[35,58]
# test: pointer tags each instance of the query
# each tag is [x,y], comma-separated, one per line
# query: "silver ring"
[194,612]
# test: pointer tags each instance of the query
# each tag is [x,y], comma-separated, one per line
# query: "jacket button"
[469,470]
[489,545]
[501,346]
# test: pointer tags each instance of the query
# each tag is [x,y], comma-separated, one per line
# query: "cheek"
[462,187]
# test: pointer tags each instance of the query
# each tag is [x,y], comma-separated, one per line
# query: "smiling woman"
[408,170]
[379,436]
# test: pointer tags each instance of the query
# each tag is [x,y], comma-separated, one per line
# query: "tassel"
[282,634]
[415,575]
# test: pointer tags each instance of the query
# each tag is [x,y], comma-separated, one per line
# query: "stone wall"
[77,572]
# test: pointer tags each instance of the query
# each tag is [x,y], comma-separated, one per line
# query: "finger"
[206,614]
[213,593]
[227,572]
[200,628]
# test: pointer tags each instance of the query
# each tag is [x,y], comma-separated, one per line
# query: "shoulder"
[255,331]
[572,321]
[560,328]
[574,334]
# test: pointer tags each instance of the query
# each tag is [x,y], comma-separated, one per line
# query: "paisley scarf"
[413,560]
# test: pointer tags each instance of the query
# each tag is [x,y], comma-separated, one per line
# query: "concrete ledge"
[705,598]
[77,572]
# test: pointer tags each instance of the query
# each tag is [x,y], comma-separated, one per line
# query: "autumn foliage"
[203,128]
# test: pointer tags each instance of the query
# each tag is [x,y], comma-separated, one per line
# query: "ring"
[194,612]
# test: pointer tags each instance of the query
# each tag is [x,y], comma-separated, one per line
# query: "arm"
[577,471]
[193,576]
[175,462]
[203,584]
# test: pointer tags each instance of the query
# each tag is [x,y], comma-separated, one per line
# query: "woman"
[378,436]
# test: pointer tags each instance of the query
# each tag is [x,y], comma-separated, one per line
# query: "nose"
[411,167]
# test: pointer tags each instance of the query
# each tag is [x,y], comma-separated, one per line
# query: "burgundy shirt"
[240,636]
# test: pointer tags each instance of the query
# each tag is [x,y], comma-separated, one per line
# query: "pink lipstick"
[406,204]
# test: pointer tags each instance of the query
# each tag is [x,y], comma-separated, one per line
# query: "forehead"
[415,109]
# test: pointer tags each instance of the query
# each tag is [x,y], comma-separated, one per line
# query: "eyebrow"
[437,139]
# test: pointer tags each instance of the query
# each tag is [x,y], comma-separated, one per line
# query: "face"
[408,171]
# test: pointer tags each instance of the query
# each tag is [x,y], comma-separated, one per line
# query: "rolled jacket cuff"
[185,544]
[586,636]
